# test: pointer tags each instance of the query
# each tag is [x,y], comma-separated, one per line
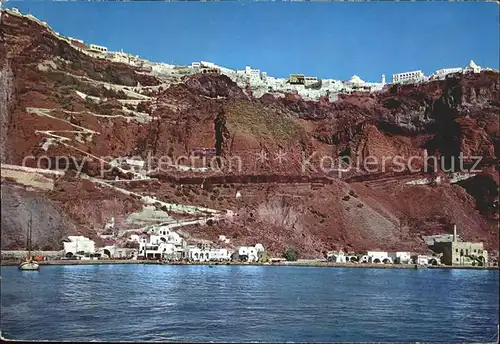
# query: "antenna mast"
[29,235]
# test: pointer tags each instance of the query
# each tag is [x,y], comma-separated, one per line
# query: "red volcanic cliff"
[259,144]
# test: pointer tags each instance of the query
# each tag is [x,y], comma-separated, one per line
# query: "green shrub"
[263,257]
[290,254]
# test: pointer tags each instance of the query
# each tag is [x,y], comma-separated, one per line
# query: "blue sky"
[315,38]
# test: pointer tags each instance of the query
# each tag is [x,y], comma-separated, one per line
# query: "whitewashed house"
[422,259]
[198,254]
[208,254]
[402,258]
[162,243]
[155,247]
[379,257]
[113,251]
[337,257]
[248,253]
[77,244]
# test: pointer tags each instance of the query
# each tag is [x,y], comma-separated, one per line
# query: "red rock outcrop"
[282,202]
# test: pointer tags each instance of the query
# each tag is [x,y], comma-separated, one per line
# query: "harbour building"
[457,252]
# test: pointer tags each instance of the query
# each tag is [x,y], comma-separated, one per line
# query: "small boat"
[29,263]
[210,266]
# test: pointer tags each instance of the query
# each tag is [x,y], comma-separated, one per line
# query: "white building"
[442,73]
[337,257]
[253,76]
[168,235]
[113,251]
[472,67]
[403,258]
[224,239]
[356,80]
[97,48]
[408,77]
[156,248]
[378,257]
[198,254]
[78,244]
[207,64]
[248,253]
[75,40]
[422,260]
[310,80]
[195,65]
[164,243]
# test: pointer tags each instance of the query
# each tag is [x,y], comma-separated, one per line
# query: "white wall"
[79,243]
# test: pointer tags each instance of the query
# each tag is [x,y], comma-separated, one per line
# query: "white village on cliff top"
[309,87]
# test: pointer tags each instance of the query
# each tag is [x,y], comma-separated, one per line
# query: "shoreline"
[213,264]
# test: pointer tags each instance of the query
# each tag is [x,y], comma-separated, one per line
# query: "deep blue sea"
[248,303]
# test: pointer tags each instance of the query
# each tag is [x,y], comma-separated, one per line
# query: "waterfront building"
[457,252]
[402,258]
[379,257]
[162,243]
[364,258]
[351,257]
[198,254]
[113,251]
[248,253]
[336,257]
[421,259]
[77,245]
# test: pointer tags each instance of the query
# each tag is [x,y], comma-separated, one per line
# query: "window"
[456,259]
[456,250]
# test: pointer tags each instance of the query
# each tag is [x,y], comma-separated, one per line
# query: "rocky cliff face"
[59,102]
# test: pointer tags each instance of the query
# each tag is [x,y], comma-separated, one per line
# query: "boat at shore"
[29,264]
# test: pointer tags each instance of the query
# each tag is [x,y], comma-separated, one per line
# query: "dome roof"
[356,80]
